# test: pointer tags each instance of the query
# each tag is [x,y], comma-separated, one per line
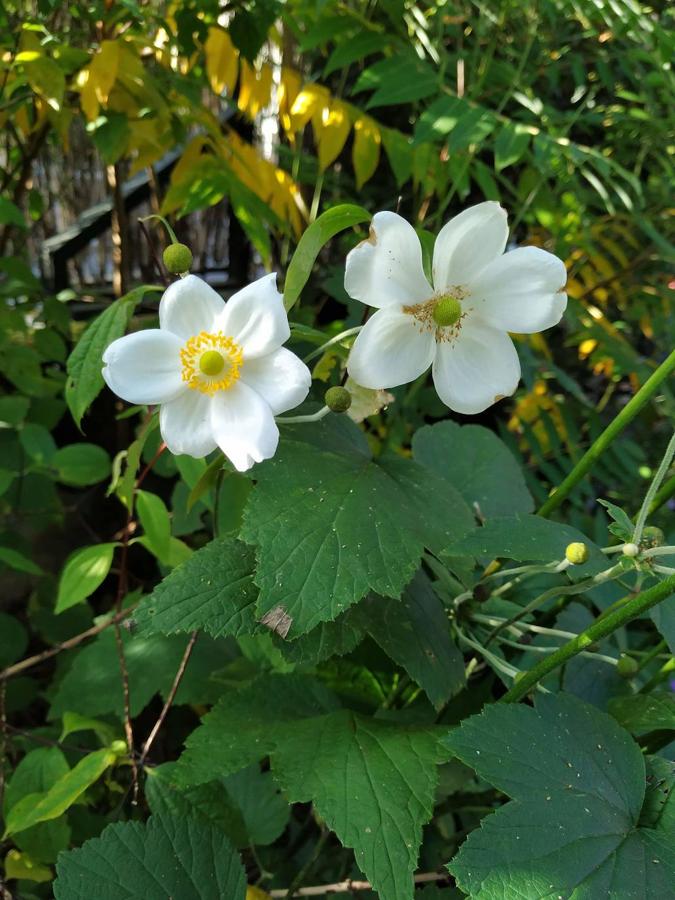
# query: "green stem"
[597,631]
[663,495]
[172,233]
[652,654]
[613,430]
[653,488]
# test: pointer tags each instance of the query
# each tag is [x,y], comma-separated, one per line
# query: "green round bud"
[626,666]
[576,553]
[447,311]
[338,399]
[630,550]
[652,536]
[119,748]
[177,258]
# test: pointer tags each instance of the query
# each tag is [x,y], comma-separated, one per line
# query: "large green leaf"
[529,538]
[328,224]
[642,713]
[414,631]
[478,464]
[331,523]
[212,591]
[85,362]
[246,805]
[578,784]
[372,782]
[245,724]
[167,857]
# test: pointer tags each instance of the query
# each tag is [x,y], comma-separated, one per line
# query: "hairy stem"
[601,628]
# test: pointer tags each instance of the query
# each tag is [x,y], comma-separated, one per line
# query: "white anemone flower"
[217,369]
[459,325]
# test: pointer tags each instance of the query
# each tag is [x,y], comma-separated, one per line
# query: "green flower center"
[447,311]
[211,362]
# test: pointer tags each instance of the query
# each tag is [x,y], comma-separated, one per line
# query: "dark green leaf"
[478,463]
[330,524]
[164,858]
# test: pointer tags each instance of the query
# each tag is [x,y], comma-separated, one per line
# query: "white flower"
[460,325]
[217,369]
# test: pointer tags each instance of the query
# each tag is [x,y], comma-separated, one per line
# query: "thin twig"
[169,700]
[350,886]
[31,661]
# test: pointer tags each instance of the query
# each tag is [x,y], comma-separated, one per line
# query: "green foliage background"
[370,741]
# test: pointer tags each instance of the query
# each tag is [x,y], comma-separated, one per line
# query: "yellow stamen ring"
[207,356]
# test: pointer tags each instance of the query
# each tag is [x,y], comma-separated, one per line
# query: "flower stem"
[601,628]
[653,488]
[296,420]
[615,427]
[333,340]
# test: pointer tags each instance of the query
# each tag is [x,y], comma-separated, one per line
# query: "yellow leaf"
[222,61]
[310,100]
[20,865]
[97,80]
[46,78]
[289,88]
[255,89]
[256,893]
[332,133]
[366,150]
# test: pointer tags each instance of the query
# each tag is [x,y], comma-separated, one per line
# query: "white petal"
[387,269]
[467,243]
[243,426]
[189,306]
[185,424]
[255,318]
[390,350]
[521,291]
[280,378]
[144,367]
[478,369]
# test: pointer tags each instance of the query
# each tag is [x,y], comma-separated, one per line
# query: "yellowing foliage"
[222,61]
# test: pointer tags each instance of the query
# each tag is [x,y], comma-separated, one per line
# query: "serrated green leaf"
[85,362]
[34,808]
[478,463]
[335,638]
[578,784]
[331,523]
[246,723]
[326,226]
[246,805]
[414,631]
[372,782]
[166,857]
[213,591]
[84,571]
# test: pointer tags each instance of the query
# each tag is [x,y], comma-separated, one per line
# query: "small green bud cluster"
[652,536]
[338,399]
[177,259]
